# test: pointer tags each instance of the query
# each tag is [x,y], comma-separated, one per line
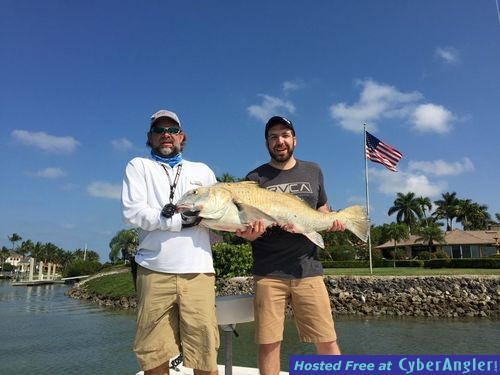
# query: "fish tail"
[355,220]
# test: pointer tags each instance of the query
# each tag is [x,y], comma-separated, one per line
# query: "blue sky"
[79,80]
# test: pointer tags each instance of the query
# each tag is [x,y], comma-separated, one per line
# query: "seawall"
[431,296]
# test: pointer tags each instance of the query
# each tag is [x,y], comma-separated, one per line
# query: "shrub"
[464,263]
[346,264]
[441,254]
[342,253]
[7,267]
[425,255]
[232,260]
[81,267]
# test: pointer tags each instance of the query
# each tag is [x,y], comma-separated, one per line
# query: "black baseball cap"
[279,120]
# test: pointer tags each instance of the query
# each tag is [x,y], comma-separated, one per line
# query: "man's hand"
[337,226]
[254,230]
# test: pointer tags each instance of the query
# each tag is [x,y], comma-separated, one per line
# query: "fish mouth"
[187,208]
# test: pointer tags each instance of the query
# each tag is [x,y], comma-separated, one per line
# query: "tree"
[424,203]
[407,209]
[66,258]
[4,254]
[226,177]
[473,216]
[429,235]
[26,248]
[447,208]
[124,243]
[14,238]
[86,255]
[397,232]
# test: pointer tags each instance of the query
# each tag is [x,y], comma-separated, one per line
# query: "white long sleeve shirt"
[164,246]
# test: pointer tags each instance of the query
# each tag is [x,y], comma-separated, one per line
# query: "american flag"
[381,152]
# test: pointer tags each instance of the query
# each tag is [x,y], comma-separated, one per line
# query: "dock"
[49,278]
[36,282]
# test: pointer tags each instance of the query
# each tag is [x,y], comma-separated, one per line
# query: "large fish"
[232,206]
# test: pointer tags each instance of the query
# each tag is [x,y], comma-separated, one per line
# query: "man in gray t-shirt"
[285,264]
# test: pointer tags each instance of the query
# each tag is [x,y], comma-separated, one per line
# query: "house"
[14,258]
[20,262]
[458,244]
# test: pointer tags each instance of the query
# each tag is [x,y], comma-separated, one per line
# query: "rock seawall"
[432,296]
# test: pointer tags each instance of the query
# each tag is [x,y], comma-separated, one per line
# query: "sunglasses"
[162,130]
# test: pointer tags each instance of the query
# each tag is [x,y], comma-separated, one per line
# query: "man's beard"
[167,152]
[281,158]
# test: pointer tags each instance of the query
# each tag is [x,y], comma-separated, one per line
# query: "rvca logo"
[293,188]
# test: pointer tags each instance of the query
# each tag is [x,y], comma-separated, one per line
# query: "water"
[44,332]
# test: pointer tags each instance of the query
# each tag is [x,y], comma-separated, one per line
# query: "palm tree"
[473,216]
[424,202]
[407,208]
[124,243]
[481,218]
[465,209]
[14,238]
[66,258]
[397,232]
[447,208]
[430,235]
[497,216]
[26,247]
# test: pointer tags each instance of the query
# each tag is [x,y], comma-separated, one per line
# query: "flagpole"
[367,194]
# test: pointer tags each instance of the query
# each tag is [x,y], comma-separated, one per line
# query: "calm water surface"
[44,332]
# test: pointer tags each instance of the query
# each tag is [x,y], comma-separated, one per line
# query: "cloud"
[121,144]
[380,102]
[291,86]
[270,106]
[46,142]
[441,167]
[432,118]
[50,173]
[391,183]
[447,54]
[376,102]
[104,190]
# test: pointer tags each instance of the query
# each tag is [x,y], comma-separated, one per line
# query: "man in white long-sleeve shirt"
[175,276]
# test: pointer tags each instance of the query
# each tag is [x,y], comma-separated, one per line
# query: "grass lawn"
[116,285]
[411,271]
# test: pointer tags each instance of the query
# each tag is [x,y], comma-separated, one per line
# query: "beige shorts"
[310,303]
[176,311]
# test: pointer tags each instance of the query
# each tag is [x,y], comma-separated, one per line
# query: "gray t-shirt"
[280,253]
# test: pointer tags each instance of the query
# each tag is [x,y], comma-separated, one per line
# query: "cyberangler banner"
[394,365]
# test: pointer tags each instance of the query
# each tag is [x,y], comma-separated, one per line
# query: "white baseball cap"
[165,113]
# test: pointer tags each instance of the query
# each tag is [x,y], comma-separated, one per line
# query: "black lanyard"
[176,179]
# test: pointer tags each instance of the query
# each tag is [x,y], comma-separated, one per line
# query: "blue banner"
[394,365]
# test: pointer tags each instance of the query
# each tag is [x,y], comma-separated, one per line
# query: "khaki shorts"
[176,311]
[310,303]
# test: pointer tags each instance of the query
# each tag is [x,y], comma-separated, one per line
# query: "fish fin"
[355,220]
[249,214]
[315,238]
[248,183]
[233,184]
